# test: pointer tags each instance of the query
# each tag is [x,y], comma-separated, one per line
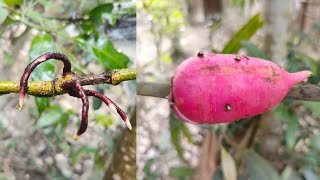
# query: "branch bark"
[303,91]
[53,88]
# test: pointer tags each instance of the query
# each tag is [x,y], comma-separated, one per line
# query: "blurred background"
[36,143]
[283,143]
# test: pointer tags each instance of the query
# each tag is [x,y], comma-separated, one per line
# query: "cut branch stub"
[72,83]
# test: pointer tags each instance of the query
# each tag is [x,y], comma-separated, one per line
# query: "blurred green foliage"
[178,129]
[245,33]
[297,154]
[80,29]
[167,21]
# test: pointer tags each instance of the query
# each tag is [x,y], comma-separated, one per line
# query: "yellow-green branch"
[53,88]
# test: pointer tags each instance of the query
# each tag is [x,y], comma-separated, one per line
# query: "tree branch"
[160,90]
[55,87]
[303,91]
[70,83]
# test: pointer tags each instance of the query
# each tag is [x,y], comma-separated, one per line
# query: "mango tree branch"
[53,88]
[303,91]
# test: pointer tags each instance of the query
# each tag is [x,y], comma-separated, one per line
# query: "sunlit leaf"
[4,176]
[110,57]
[186,132]
[166,58]
[3,15]
[228,165]
[12,3]
[105,120]
[245,33]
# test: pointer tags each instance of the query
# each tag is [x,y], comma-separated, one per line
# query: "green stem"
[123,75]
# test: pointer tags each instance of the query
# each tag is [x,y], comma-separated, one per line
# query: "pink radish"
[221,88]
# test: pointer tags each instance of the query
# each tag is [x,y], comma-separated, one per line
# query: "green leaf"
[166,58]
[245,33]
[12,3]
[87,149]
[42,103]
[4,176]
[175,131]
[104,120]
[44,72]
[97,102]
[147,166]
[8,57]
[228,165]
[291,137]
[313,107]
[110,57]
[35,16]
[42,44]
[51,116]
[282,112]
[149,174]
[96,13]
[253,50]
[186,132]
[3,15]
[258,168]
[181,172]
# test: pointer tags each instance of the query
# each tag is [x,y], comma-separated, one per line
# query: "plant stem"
[53,88]
[124,75]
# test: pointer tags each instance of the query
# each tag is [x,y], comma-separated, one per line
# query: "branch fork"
[72,83]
